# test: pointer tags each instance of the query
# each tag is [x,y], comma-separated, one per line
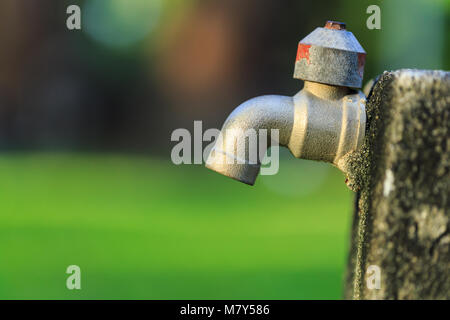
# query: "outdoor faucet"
[324,121]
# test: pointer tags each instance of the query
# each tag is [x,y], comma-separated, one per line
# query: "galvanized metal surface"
[329,123]
[325,121]
[266,112]
[321,122]
[331,55]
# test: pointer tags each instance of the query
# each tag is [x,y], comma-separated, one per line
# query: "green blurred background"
[139,228]
[85,171]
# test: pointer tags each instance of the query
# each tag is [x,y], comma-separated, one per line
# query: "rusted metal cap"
[335,25]
[331,55]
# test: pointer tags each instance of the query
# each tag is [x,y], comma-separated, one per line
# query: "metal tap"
[324,121]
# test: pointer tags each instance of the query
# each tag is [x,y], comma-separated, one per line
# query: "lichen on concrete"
[402,176]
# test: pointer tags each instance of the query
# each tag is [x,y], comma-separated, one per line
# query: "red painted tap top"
[303,52]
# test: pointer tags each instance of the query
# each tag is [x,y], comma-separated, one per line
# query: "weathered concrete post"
[402,175]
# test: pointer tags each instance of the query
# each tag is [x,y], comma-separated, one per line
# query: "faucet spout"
[325,121]
[247,133]
[321,122]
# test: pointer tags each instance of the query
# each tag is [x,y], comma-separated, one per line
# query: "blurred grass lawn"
[142,228]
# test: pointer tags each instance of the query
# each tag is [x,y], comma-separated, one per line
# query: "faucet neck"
[326,91]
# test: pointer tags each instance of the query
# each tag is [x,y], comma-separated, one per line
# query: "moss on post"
[402,175]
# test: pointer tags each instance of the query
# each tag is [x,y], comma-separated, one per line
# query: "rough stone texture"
[402,176]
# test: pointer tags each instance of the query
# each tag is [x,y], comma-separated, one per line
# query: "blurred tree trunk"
[402,174]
